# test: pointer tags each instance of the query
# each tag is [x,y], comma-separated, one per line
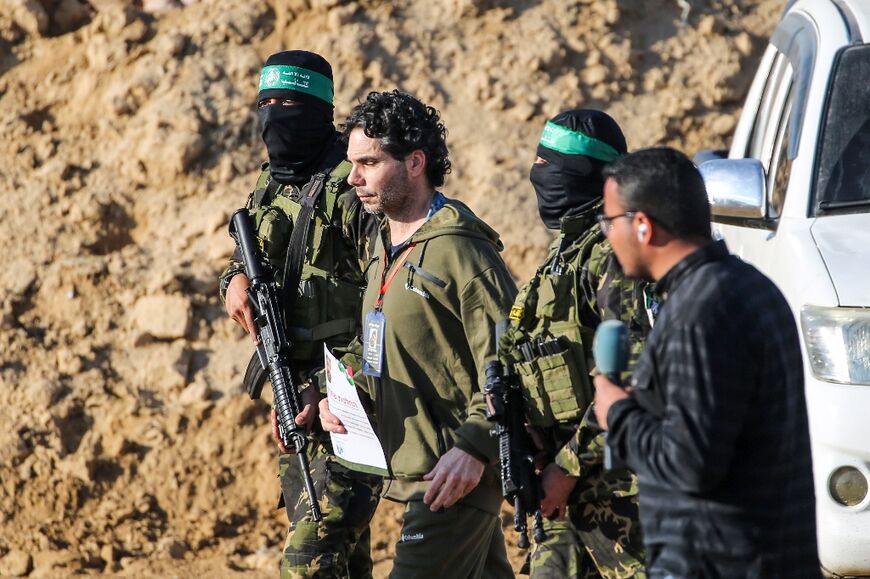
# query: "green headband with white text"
[286,77]
[564,140]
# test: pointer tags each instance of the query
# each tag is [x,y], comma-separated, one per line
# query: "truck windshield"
[843,173]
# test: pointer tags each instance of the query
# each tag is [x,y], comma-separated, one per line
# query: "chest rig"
[330,282]
[553,320]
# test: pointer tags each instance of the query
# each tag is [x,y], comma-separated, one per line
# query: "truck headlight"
[838,343]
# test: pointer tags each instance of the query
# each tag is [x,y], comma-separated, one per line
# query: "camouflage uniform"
[340,544]
[326,311]
[549,344]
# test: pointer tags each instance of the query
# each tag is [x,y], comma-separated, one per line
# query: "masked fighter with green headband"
[307,159]
[593,526]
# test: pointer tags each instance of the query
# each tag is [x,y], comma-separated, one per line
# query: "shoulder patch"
[516,313]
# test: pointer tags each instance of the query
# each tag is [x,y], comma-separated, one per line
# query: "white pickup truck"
[793,198]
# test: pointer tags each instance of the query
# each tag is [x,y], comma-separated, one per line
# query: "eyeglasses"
[605,222]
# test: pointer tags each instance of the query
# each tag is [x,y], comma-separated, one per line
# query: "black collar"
[713,251]
[578,223]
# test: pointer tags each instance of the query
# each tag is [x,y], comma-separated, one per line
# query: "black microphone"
[610,350]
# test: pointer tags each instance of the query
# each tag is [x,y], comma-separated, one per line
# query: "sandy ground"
[128,137]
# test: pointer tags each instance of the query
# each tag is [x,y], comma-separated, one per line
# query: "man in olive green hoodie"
[426,340]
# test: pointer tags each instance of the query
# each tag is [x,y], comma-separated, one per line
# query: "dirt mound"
[129,138]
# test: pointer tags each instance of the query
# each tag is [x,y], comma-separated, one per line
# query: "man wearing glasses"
[715,422]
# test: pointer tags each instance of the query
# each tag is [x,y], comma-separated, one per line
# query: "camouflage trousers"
[596,540]
[338,546]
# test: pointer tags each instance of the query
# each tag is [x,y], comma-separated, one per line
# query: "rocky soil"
[128,137]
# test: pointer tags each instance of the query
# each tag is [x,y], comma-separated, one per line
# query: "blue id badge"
[373,344]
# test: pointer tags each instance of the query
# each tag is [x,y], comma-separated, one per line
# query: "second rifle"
[520,484]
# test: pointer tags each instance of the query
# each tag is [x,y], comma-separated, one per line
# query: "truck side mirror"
[736,188]
[709,155]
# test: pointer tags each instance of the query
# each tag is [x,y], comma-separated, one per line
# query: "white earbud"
[641,231]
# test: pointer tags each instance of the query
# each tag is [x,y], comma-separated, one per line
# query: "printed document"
[360,448]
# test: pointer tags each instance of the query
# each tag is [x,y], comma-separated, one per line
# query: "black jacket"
[716,428]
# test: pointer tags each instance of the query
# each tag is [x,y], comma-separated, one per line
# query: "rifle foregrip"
[285,405]
[242,230]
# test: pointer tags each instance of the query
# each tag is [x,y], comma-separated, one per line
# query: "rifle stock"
[273,348]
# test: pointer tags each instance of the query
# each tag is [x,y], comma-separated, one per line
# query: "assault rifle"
[273,348]
[520,484]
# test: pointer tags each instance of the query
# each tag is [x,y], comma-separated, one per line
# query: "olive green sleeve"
[485,301]
[351,357]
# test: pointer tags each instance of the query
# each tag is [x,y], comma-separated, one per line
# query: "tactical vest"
[331,284]
[549,340]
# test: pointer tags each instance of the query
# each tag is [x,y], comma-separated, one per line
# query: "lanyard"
[386,280]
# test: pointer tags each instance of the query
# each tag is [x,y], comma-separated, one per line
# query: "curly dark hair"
[403,124]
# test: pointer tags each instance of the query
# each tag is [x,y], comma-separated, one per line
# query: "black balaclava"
[576,145]
[297,137]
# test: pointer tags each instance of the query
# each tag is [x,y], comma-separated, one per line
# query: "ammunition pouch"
[326,308]
[555,377]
